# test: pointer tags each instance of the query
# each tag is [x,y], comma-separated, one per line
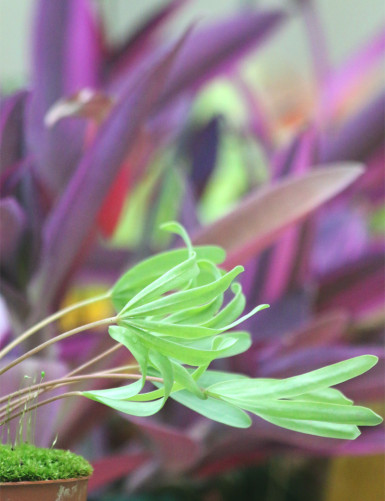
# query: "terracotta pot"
[73,489]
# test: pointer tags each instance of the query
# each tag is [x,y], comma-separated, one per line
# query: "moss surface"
[28,463]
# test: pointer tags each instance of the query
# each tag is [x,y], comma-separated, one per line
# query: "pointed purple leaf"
[12,224]
[262,217]
[213,49]
[12,130]
[73,219]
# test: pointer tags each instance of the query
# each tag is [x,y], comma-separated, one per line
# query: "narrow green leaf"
[231,311]
[214,409]
[314,411]
[297,385]
[240,342]
[326,395]
[187,299]
[174,227]
[140,409]
[317,428]
[173,330]
[184,354]
[145,272]
[183,377]
[172,279]
[120,393]
[134,345]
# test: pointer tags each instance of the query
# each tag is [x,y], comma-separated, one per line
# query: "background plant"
[323,278]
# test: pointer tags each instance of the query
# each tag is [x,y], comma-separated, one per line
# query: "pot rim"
[39,482]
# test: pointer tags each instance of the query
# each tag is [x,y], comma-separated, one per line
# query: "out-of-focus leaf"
[203,145]
[213,49]
[65,60]
[12,129]
[350,76]
[358,137]
[12,223]
[142,40]
[170,443]
[257,221]
[111,468]
[360,289]
[82,199]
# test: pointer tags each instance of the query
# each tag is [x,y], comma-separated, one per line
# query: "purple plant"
[77,143]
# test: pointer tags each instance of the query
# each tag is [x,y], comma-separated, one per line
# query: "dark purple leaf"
[112,468]
[202,147]
[141,41]
[12,224]
[358,137]
[357,287]
[12,130]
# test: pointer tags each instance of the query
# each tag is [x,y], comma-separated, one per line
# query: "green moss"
[28,463]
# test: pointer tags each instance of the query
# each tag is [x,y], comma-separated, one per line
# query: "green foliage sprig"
[171,316]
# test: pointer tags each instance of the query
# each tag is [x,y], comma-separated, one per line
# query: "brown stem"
[51,385]
[39,404]
[48,320]
[95,359]
[65,335]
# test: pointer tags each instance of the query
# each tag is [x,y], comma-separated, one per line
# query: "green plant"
[171,316]
[28,463]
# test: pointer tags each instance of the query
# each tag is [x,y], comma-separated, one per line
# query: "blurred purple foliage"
[321,271]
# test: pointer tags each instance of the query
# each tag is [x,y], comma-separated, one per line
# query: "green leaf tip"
[178,229]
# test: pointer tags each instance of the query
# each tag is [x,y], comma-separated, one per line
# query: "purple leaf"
[142,40]
[354,72]
[72,220]
[170,443]
[261,218]
[308,359]
[203,149]
[12,224]
[213,49]
[66,53]
[357,287]
[12,130]
[358,137]
[109,469]
[341,237]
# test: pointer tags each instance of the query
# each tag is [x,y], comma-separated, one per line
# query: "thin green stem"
[64,382]
[65,335]
[4,420]
[96,359]
[48,320]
